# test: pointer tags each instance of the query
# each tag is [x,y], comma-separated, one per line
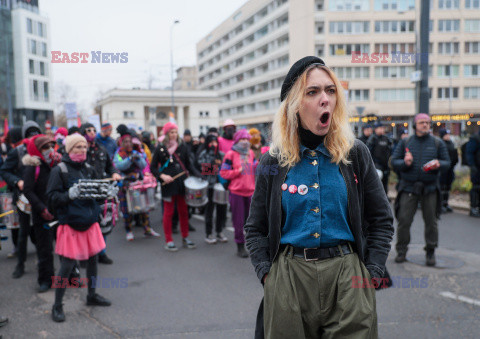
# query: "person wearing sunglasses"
[319,216]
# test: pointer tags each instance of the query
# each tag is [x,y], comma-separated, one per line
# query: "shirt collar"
[320,148]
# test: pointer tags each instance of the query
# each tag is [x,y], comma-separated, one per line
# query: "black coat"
[13,168]
[35,190]
[59,201]
[98,158]
[161,157]
[369,216]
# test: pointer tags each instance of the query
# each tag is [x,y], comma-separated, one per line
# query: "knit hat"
[106,125]
[241,134]
[73,129]
[378,124]
[210,138]
[443,132]
[295,71]
[72,140]
[187,132]
[62,130]
[213,130]
[29,127]
[168,127]
[422,116]
[14,135]
[41,140]
[229,122]
[253,131]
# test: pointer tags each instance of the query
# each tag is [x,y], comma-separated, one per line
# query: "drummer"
[132,164]
[171,165]
[210,159]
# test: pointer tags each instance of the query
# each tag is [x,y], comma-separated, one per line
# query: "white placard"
[95,121]
[71,110]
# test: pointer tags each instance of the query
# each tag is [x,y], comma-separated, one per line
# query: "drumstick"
[175,177]
[6,213]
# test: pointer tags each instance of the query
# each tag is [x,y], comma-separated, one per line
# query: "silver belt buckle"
[305,254]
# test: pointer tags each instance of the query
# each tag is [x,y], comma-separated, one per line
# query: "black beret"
[295,71]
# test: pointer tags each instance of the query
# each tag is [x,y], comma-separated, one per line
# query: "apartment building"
[26,35]
[246,58]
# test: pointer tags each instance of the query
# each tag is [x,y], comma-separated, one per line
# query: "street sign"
[416,76]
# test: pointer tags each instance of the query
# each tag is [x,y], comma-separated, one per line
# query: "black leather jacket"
[370,216]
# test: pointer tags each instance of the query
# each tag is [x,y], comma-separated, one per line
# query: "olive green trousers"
[318,299]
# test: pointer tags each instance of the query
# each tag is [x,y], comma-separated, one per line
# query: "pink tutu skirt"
[79,245]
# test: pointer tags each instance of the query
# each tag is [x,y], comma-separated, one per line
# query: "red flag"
[79,122]
[5,127]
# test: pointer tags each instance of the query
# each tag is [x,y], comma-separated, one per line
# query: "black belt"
[312,254]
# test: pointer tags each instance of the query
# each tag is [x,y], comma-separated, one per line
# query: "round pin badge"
[302,189]
[284,187]
[292,189]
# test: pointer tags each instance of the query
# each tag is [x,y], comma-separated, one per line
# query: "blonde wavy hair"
[285,139]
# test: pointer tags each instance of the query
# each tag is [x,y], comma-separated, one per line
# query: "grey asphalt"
[208,292]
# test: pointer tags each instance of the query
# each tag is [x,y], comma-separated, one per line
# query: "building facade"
[186,79]
[26,37]
[371,44]
[150,109]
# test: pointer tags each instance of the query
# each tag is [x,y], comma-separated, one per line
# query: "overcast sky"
[141,28]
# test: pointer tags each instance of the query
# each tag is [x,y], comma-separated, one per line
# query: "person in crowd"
[12,172]
[380,147]
[239,166]
[147,139]
[78,235]
[39,161]
[188,140]
[210,160]
[367,131]
[201,138]
[104,138]
[132,164]
[256,142]
[171,165]
[226,142]
[419,158]
[447,178]
[14,139]
[319,216]
[473,160]
[59,137]
[99,159]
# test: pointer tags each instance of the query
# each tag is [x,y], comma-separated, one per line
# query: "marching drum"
[108,215]
[220,195]
[11,221]
[141,196]
[196,192]
[23,204]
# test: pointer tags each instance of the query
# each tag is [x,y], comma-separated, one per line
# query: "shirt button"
[314,162]
[315,185]
[316,235]
[316,210]
[313,153]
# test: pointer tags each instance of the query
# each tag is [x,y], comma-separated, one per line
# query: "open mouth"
[324,117]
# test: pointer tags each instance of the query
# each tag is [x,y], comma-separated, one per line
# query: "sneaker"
[12,255]
[170,246]
[152,233]
[44,287]
[57,313]
[210,239]
[430,258]
[187,243]
[221,237]
[130,236]
[104,259]
[401,257]
[97,300]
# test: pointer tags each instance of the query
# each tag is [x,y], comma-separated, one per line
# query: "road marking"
[467,300]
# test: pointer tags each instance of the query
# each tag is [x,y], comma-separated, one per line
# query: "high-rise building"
[24,57]
[246,58]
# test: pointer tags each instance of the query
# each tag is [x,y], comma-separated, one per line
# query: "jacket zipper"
[281,216]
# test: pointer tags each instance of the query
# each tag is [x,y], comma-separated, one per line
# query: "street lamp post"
[171,62]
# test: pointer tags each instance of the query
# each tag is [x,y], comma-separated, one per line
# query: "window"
[392,48]
[394,5]
[33,46]
[447,71]
[320,50]
[45,91]
[472,47]
[449,25]
[319,27]
[31,64]
[471,93]
[472,26]
[471,71]
[388,72]
[349,27]
[201,114]
[35,90]
[128,114]
[347,5]
[29,26]
[319,5]
[40,29]
[347,49]
[352,72]
[473,4]
[449,48]
[395,94]
[206,114]
[394,26]
[448,4]
[42,68]
[44,49]
[445,93]
[358,95]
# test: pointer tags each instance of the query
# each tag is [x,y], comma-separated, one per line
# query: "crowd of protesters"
[40,171]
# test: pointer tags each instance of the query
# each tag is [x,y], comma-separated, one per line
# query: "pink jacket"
[224,145]
[241,174]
